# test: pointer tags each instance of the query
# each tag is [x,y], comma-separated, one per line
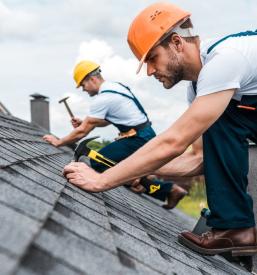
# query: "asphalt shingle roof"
[49,226]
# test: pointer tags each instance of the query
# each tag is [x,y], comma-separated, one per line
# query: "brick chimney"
[39,108]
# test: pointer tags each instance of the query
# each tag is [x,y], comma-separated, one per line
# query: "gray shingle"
[7,263]
[84,228]
[131,230]
[77,252]
[23,202]
[14,148]
[29,186]
[16,231]
[39,262]
[46,172]
[90,213]
[38,177]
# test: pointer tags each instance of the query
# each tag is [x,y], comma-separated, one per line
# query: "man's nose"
[150,69]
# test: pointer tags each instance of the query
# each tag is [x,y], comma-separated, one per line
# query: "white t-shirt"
[116,108]
[232,64]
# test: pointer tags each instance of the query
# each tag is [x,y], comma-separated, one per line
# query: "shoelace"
[207,235]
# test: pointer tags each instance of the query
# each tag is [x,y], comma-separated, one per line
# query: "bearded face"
[166,65]
[172,73]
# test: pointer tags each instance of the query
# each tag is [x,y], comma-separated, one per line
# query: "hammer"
[64,100]
[82,149]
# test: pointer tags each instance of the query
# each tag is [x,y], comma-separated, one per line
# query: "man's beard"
[175,77]
[174,72]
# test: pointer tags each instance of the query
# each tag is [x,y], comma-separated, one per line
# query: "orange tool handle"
[246,107]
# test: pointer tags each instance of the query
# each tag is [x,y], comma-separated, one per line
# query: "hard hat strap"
[188,32]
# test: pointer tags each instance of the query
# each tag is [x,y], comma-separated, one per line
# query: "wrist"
[58,143]
[102,183]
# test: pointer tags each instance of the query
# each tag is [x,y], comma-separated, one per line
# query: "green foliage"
[195,201]
[97,145]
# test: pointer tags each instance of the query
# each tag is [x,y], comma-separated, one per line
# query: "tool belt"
[133,131]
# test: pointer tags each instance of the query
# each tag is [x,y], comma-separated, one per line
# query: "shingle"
[30,186]
[86,198]
[38,177]
[16,231]
[4,162]
[5,133]
[140,250]
[131,230]
[84,228]
[123,217]
[120,207]
[21,201]
[47,163]
[37,262]
[11,157]
[85,211]
[24,146]
[15,149]
[44,171]
[77,252]
[7,264]
[172,253]
[97,197]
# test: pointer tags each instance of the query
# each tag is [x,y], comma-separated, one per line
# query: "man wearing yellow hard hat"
[114,103]
[223,101]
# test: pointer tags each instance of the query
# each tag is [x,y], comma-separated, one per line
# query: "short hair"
[96,72]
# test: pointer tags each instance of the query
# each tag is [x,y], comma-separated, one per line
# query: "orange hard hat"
[150,25]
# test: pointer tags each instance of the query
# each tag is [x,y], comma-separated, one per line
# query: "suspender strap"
[240,34]
[194,84]
[136,101]
[247,33]
[124,128]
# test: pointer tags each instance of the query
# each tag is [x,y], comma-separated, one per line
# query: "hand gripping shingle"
[158,190]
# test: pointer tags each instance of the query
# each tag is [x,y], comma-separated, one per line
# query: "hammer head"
[82,149]
[64,99]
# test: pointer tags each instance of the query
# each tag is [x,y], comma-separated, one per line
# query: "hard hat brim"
[141,63]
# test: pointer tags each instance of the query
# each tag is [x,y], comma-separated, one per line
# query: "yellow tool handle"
[100,158]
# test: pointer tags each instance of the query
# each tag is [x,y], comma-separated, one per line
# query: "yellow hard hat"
[82,69]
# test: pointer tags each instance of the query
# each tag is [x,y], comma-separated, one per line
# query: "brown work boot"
[176,194]
[239,242]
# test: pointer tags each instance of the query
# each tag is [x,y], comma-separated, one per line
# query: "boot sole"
[235,251]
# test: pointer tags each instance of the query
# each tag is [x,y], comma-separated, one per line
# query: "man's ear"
[177,42]
[93,78]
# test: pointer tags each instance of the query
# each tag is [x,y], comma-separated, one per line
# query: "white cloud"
[17,23]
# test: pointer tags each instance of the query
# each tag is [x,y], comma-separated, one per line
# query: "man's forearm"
[74,136]
[83,130]
[158,152]
[188,164]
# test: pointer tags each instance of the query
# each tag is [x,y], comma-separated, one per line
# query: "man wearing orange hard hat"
[223,100]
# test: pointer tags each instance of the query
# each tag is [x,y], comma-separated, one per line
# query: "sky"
[42,40]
